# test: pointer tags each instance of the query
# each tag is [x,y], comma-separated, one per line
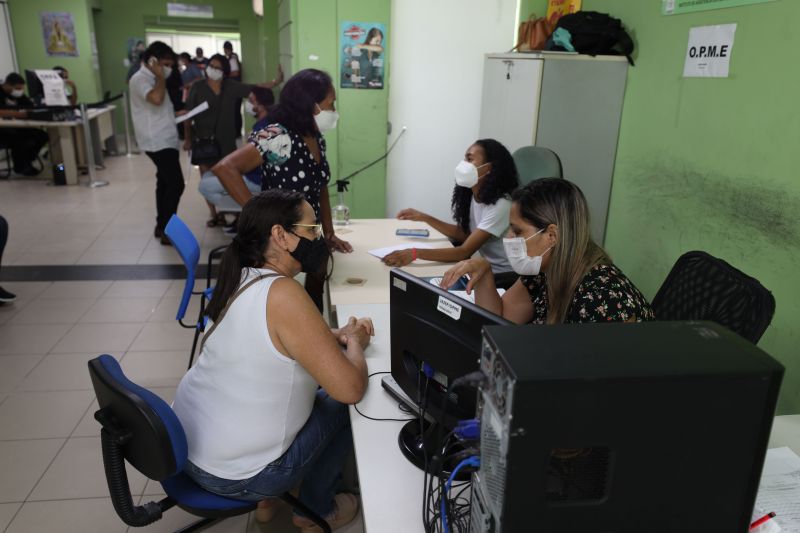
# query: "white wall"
[436,67]
[8,61]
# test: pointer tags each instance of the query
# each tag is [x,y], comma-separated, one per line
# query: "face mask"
[17,93]
[182,67]
[311,254]
[167,71]
[250,109]
[326,120]
[214,74]
[467,174]
[517,253]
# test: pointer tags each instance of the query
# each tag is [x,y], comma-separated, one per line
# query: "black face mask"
[312,255]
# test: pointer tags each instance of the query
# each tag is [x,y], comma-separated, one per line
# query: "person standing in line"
[200,60]
[236,74]
[154,124]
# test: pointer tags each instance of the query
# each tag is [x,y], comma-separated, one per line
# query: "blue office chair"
[188,248]
[534,162]
[703,287]
[140,428]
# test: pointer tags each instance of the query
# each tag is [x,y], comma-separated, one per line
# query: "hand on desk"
[338,245]
[399,258]
[412,214]
[360,330]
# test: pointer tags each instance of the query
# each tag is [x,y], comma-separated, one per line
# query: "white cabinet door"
[510,103]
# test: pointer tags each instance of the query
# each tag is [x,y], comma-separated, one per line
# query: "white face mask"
[250,109]
[214,74]
[521,262]
[326,119]
[467,174]
[167,71]
[16,93]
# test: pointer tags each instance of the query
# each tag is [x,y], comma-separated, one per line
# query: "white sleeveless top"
[243,402]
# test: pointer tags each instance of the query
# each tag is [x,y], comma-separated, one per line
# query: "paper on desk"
[193,113]
[779,490]
[380,253]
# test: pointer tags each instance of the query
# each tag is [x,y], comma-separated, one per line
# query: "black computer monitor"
[35,87]
[435,338]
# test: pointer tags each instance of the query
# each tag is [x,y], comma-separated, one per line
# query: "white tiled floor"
[51,469]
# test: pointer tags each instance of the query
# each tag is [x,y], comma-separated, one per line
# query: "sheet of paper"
[380,253]
[708,54]
[53,87]
[779,490]
[193,113]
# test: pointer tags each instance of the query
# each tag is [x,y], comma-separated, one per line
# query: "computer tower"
[656,427]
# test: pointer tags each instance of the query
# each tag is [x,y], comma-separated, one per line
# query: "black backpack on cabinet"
[596,33]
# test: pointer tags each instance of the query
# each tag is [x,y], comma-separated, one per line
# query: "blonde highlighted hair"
[560,202]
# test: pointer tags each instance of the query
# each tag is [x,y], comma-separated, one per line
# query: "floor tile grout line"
[44,472]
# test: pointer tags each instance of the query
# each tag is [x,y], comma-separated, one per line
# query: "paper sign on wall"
[709,52]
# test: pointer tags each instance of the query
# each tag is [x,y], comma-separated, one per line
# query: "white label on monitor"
[453,310]
[400,284]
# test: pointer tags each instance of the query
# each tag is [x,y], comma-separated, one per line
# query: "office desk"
[391,487]
[66,139]
[368,234]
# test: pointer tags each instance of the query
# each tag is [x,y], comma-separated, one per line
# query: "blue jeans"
[213,191]
[315,457]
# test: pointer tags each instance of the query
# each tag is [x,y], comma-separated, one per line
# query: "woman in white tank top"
[255,421]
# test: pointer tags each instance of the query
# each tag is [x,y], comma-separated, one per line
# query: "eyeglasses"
[317,228]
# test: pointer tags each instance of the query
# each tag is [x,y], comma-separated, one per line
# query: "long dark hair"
[298,99]
[281,207]
[499,183]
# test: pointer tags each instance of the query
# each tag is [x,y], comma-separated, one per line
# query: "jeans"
[213,191]
[169,184]
[315,457]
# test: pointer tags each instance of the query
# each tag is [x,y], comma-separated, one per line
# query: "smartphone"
[412,233]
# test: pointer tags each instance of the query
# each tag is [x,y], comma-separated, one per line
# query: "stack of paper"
[779,491]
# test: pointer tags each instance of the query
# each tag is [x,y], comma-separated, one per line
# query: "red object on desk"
[762,520]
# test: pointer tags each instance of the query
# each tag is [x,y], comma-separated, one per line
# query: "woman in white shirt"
[481,203]
[255,421]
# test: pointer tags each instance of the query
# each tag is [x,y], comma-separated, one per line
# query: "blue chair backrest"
[157,447]
[189,250]
[534,162]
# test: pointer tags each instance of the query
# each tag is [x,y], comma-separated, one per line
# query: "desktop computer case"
[581,428]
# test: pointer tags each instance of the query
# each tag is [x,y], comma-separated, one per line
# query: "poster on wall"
[708,54]
[363,53]
[58,30]
[558,8]
[678,7]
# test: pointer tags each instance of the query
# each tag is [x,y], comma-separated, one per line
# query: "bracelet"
[413,254]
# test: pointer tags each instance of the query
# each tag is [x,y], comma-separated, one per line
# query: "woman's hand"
[411,214]
[338,245]
[476,269]
[187,145]
[359,330]
[399,258]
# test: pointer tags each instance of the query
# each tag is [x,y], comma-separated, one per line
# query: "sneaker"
[29,170]
[6,297]
[344,513]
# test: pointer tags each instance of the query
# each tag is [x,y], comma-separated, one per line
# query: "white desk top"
[94,112]
[368,234]
[391,487]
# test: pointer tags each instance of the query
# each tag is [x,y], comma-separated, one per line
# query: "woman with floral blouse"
[565,277]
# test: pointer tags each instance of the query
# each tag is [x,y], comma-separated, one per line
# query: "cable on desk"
[355,406]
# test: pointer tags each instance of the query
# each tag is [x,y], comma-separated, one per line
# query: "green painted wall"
[711,164]
[118,20]
[360,136]
[30,48]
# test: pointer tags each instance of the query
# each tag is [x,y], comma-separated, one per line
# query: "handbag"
[206,150]
[533,34]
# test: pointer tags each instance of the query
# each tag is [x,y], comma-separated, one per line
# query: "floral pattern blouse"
[604,295]
[288,163]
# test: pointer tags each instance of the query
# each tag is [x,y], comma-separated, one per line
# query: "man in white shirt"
[156,134]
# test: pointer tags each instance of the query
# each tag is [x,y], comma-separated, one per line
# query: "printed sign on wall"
[678,7]
[363,53]
[709,52]
[558,8]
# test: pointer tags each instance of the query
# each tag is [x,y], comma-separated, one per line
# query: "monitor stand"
[417,446]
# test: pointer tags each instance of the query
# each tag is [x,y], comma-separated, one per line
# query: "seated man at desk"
[25,143]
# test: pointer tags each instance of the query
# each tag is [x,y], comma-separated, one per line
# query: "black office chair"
[140,428]
[703,287]
[9,163]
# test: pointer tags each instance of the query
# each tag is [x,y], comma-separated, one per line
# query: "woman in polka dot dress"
[291,154]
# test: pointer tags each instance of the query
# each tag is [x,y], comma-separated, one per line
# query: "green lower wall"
[711,164]
[360,137]
[29,42]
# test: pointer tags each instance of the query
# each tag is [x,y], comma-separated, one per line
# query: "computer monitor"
[435,338]
[35,87]
[653,427]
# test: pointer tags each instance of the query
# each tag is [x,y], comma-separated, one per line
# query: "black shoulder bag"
[206,150]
